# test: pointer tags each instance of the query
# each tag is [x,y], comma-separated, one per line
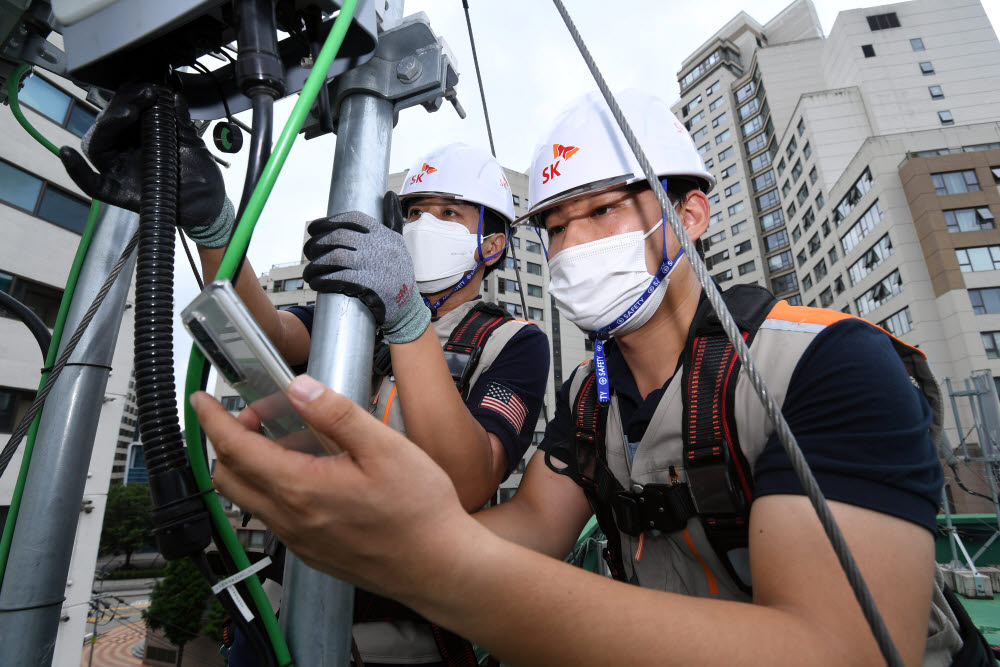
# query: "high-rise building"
[42,214]
[569,347]
[859,171]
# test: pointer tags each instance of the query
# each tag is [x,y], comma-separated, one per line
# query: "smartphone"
[232,340]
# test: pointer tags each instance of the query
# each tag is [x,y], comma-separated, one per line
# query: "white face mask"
[442,252]
[596,284]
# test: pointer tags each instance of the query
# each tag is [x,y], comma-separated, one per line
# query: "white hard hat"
[459,171]
[586,151]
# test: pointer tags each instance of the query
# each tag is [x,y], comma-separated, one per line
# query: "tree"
[177,604]
[127,520]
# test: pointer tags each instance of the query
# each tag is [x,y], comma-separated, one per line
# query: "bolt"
[306,62]
[637,488]
[408,69]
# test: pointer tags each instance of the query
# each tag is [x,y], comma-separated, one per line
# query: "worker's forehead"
[438,201]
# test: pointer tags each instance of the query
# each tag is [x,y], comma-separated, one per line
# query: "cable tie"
[229,584]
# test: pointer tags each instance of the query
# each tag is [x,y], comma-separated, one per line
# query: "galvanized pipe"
[316,609]
[35,579]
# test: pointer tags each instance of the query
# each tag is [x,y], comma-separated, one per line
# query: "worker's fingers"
[247,496]
[341,419]
[249,419]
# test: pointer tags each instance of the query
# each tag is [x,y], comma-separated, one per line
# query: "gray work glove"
[352,254]
[113,145]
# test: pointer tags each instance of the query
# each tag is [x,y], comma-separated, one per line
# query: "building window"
[991,341]
[752,125]
[771,220]
[868,50]
[813,175]
[767,200]
[534,269]
[745,91]
[917,44]
[511,285]
[791,210]
[826,297]
[807,150]
[858,190]
[760,141]
[534,290]
[763,160]
[860,229]
[802,195]
[746,268]
[728,171]
[786,187]
[784,284]
[513,309]
[883,21]
[691,106]
[927,68]
[233,403]
[708,242]
[794,300]
[715,104]
[704,148]
[796,234]
[781,166]
[802,258]
[814,244]
[838,285]
[724,136]
[288,285]
[535,314]
[833,255]
[797,170]
[57,105]
[946,118]
[820,271]
[726,154]
[985,301]
[40,299]
[871,260]
[588,345]
[790,149]
[709,163]
[736,208]
[878,295]
[955,182]
[780,262]
[533,247]
[712,260]
[936,92]
[969,219]
[515,241]
[716,218]
[801,127]
[715,199]
[982,258]
[718,120]
[42,198]
[765,180]
[807,282]
[742,248]
[714,88]
[776,241]
[723,276]
[700,133]
[820,201]
[738,227]
[733,189]
[517,200]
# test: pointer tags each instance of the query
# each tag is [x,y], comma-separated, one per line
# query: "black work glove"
[352,254]
[114,145]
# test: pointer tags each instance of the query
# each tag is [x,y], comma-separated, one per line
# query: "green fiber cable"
[237,248]
[13,83]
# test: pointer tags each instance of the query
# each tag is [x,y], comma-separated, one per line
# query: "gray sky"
[531,70]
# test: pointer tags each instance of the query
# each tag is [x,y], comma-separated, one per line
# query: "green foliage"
[214,619]
[177,603]
[127,520]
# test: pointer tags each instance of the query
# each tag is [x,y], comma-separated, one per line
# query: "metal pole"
[952,535]
[35,580]
[316,609]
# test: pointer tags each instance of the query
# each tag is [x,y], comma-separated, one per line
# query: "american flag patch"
[501,399]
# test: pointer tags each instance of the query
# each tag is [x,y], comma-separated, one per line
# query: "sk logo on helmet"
[559,153]
[419,178]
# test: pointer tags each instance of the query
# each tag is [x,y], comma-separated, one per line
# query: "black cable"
[22,428]
[958,480]
[260,151]
[27,316]
[252,629]
[194,267]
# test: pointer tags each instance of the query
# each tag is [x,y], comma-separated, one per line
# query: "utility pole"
[410,66]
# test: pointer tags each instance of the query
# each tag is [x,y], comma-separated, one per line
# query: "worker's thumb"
[337,417]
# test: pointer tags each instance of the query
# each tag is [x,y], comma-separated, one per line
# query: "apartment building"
[858,171]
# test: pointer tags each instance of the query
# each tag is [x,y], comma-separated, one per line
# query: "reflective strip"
[713,585]
[388,405]
[785,325]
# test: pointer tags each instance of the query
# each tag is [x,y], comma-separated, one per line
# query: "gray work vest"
[684,561]
[405,641]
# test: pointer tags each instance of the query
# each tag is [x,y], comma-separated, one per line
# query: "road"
[119,629]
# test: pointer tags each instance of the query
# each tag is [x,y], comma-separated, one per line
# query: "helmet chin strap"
[468,276]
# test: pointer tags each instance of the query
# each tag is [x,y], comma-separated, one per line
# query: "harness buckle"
[462,361]
[663,507]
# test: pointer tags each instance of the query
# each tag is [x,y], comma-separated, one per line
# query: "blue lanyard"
[468,276]
[600,362]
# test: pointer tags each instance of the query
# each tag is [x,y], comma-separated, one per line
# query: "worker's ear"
[493,245]
[695,213]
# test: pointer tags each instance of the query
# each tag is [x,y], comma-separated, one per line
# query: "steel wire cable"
[785,436]
[57,368]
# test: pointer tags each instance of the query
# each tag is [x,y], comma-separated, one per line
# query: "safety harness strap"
[466,343]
